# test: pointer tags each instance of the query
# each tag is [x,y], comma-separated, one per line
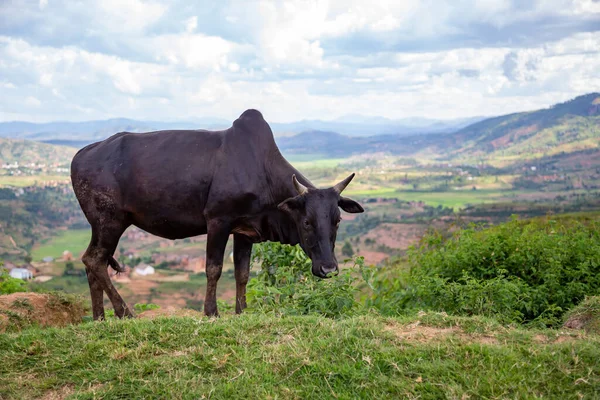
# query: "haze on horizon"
[293,60]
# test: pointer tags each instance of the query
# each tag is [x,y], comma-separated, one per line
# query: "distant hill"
[25,152]
[565,127]
[354,125]
[358,125]
[332,144]
[92,131]
[570,127]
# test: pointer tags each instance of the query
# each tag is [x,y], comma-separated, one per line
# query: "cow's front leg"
[218,233]
[242,251]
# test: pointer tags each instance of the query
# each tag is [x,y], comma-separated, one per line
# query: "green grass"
[454,199]
[31,180]
[258,357]
[67,284]
[74,240]
[308,162]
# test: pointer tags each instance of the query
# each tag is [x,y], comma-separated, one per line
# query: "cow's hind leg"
[242,251]
[96,259]
[218,234]
[96,291]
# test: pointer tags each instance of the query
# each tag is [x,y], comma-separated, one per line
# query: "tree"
[347,249]
[9,284]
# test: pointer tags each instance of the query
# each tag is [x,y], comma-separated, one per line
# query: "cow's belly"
[171,229]
[170,224]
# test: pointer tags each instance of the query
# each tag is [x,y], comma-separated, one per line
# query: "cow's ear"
[291,204]
[350,205]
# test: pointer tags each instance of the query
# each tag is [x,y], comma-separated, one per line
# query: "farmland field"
[30,180]
[73,240]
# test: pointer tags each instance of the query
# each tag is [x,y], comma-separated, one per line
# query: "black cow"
[177,184]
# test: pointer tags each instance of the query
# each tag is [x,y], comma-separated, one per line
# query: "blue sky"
[299,59]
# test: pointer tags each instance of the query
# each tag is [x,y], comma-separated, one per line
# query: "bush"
[521,271]
[285,285]
[9,284]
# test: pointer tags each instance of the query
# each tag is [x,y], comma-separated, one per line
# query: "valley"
[527,164]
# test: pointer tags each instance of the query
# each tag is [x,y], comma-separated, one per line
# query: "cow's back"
[160,180]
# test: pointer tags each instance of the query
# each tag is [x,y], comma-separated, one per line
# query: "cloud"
[295,59]
[191,24]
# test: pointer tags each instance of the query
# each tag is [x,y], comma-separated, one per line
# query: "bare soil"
[19,310]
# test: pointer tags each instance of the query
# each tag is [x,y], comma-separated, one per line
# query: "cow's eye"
[306,223]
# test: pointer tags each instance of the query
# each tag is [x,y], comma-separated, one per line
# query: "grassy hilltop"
[465,315]
[260,356]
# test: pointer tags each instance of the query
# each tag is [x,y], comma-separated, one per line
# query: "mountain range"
[572,127]
[351,125]
[568,127]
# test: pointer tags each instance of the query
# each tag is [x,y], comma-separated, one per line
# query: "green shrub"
[285,285]
[9,284]
[521,271]
[141,307]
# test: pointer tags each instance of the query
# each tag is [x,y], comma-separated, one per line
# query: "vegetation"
[285,285]
[74,240]
[26,152]
[10,285]
[265,356]
[464,314]
[522,271]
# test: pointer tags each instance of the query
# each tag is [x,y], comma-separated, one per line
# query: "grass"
[74,240]
[302,163]
[31,180]
[454,199]
[258,356]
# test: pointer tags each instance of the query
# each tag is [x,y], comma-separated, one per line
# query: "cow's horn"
[339,188]
[299,187]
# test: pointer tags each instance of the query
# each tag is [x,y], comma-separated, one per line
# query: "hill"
[90,131]
[333,144]
[26,152]
[263,356]
[565,127]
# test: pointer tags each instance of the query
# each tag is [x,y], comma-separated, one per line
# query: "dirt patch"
[421,333]
[20,310]
[396,236]
[512,137]
[585,316]
[372,257]
[58,394]
[578,321]
[170,312]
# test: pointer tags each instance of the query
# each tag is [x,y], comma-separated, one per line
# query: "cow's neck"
[269,225]
[279,171]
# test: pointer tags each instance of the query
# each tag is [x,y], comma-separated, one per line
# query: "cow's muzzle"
[324,270]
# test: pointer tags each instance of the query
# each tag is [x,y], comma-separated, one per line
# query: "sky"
[173,60]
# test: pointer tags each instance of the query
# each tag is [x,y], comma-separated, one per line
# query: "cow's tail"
[114,264]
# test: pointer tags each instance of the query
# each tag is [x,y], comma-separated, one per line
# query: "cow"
[181,183]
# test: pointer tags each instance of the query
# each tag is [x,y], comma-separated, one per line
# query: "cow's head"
[317,217]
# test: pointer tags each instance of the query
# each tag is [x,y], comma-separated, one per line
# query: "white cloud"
[294,59]
[43,4]
[190,50]
[130,15]
[191,24]
[32,101]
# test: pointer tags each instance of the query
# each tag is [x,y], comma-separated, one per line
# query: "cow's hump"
[251,120]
